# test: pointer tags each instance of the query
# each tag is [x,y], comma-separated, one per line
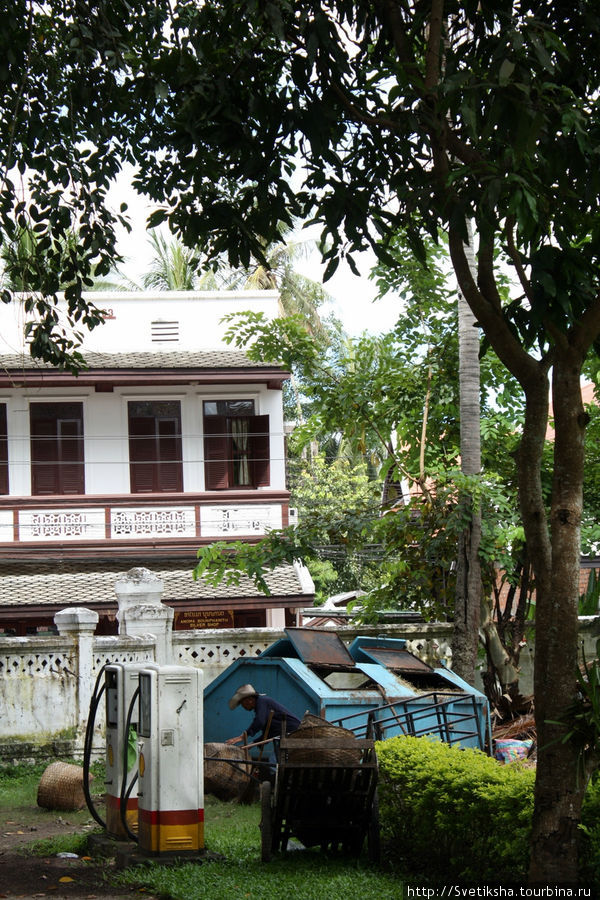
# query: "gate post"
[80,624]
[142,612]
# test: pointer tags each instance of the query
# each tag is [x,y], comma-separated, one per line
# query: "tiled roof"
[201,359]
[80,583]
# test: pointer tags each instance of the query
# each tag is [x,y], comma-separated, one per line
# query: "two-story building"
[167,440]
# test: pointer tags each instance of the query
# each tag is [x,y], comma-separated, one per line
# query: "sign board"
[189,619]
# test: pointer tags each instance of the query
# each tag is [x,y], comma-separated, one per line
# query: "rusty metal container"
[375,687]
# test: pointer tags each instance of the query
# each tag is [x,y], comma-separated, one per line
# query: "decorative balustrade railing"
[37,520]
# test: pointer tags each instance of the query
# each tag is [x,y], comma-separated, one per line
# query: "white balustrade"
[230,521]
[140,522]
[147,522]
[60,525]
[7,528]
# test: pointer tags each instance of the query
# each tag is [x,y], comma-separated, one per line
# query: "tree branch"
[18,99]
[391,14]
[485,273]
[514,257]
[488,312]
[358,114]
[434,42]
[582,336]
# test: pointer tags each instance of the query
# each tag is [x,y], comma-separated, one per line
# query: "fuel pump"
[121,683]
[171,763]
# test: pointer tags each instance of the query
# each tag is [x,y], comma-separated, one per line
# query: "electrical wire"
[87,747]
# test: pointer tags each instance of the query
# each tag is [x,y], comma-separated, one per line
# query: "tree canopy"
[366,117]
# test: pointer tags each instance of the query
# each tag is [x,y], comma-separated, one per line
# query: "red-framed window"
[155,453]
[57,455]
[236,445]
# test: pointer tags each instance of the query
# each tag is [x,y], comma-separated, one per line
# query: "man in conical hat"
[267,712]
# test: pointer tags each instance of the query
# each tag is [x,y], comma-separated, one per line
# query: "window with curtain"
[236,445]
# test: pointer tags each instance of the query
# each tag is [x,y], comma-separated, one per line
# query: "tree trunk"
[559,785]
[468,596]
[558,791]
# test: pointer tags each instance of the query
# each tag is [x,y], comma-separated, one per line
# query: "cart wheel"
[373,840]
[266,822]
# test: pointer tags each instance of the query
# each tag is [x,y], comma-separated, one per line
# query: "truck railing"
[453,719]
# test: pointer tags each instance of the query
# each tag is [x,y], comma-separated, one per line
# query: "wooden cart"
[325,795]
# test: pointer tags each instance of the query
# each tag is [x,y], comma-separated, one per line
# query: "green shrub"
[589,852]
[454,814]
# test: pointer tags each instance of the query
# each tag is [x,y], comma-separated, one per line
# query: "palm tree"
[21,261]
[25,267]
[298,295]
[174,267]
[469,589]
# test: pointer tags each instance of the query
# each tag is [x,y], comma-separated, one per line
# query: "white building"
[166,441]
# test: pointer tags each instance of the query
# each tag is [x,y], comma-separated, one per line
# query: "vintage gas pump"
[171,763]
[121,683]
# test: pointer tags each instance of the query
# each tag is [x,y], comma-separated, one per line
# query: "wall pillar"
[80,624]
[276,618]
[142,612]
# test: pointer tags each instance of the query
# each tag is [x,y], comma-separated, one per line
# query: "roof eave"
[271,376]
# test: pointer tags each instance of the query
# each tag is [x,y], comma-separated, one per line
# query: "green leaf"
[506,70]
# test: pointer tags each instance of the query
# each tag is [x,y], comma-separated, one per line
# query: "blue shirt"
[262,710]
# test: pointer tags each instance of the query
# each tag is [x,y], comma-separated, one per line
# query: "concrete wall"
[199,315]
[46,682]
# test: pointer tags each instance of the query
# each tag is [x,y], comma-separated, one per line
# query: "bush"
[451,814]
[589,854]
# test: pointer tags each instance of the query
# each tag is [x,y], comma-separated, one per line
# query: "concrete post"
[141,611]
[276,618]
[80,624]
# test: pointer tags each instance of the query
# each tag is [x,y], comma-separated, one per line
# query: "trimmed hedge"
[589,853]
[452,814]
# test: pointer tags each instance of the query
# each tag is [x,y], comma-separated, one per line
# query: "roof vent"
[163,332]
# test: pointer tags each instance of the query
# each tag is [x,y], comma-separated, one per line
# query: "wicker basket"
[61,787]
[225,780]
[314,728]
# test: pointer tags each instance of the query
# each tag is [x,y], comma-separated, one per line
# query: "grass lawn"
[18,791]
[232,831]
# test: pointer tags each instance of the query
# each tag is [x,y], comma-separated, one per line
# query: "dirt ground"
[26,877]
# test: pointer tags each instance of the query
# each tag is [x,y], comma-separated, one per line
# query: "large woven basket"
[61,787]
[226,777]
[315,729]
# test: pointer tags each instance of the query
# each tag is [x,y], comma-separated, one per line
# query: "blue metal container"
[375,687]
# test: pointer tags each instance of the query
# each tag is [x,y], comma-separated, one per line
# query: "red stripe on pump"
[171,816]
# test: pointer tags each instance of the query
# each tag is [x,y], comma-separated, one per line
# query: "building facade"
[165,441]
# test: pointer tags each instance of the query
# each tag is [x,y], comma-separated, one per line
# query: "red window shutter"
[57,448]
[216,453]
[3,450]
[155,454]
[170,458]
[44,461]
[70,451]
[142,462]
[260,450]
